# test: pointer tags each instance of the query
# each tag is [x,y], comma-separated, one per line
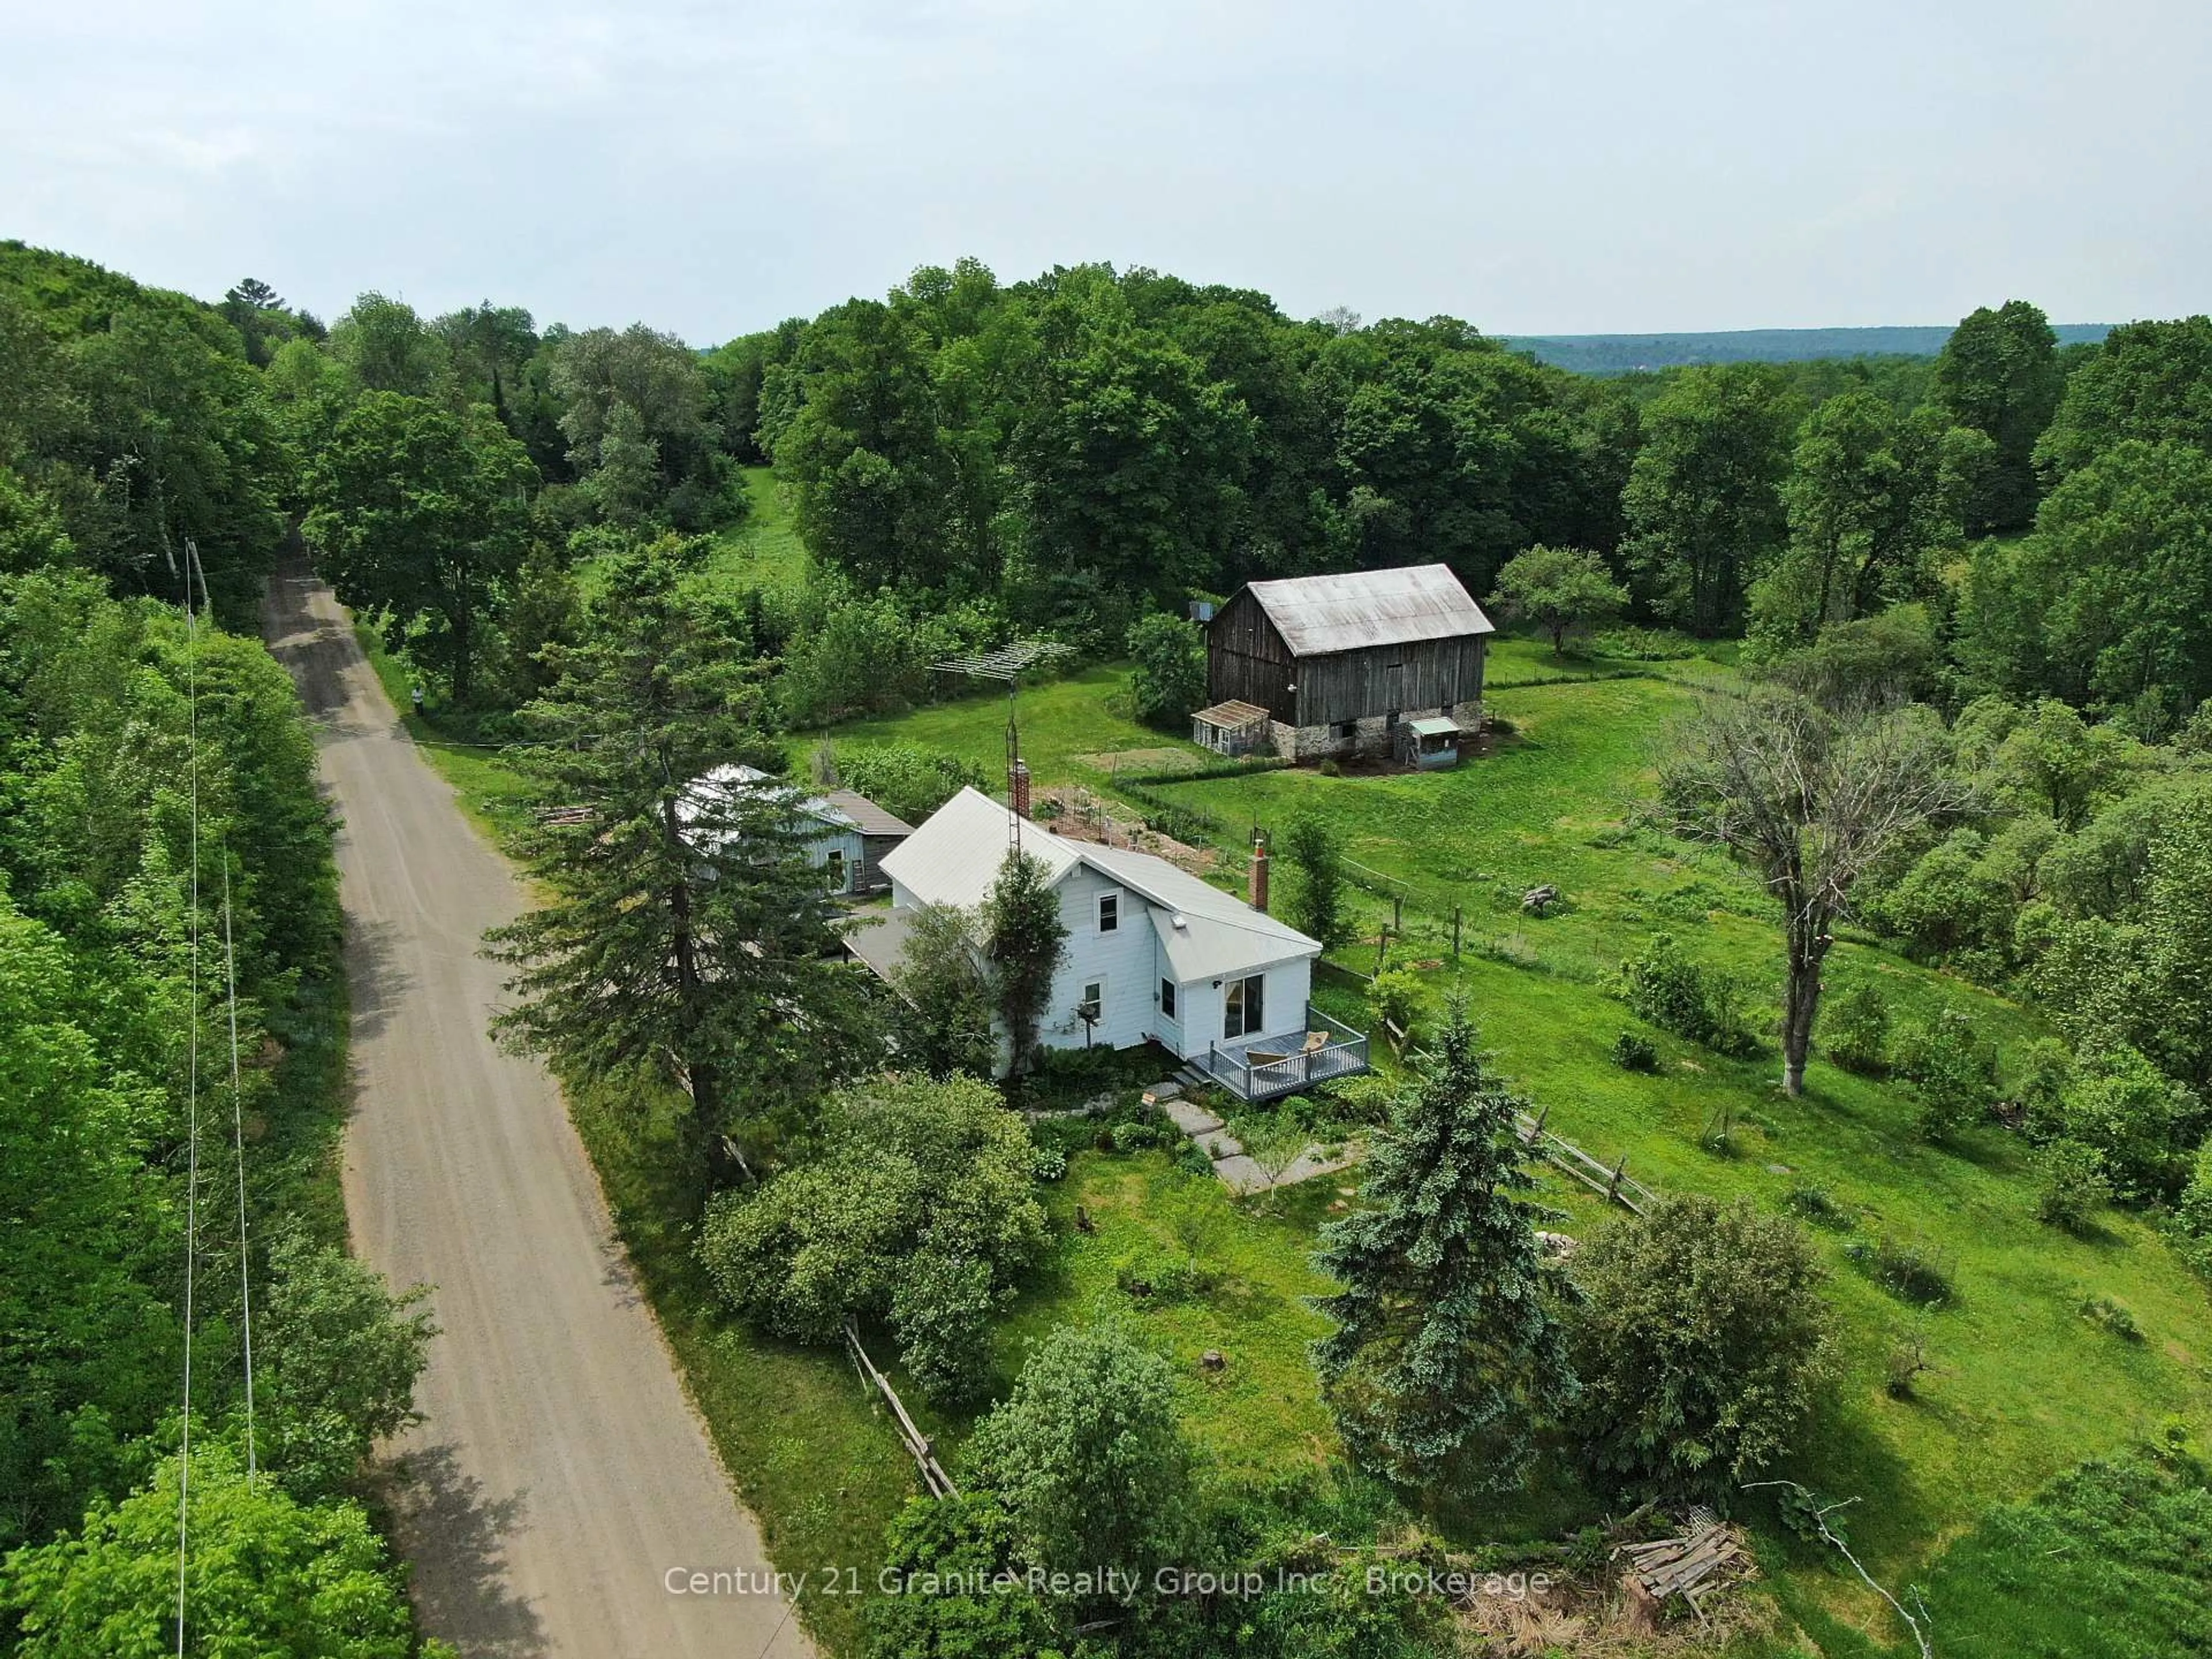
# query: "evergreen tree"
[1446,1352]
[683,925]
[1027,941]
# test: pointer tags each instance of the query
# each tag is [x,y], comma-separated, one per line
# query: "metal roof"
[870,818]
[879,937]
[1358,609]
[956,856]
[1434,725]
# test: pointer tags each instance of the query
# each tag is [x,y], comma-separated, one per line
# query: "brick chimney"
[1259,888]
[1018,788]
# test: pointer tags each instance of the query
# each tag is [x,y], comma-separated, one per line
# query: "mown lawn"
[2022,1386]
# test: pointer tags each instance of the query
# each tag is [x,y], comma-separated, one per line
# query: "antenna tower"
[1006,665]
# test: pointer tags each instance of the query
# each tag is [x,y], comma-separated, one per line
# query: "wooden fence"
[918,1444]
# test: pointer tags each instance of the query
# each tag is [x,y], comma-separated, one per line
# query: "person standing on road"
[416,691]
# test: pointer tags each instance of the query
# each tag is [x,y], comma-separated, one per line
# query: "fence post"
[1455,932]
[1397,913]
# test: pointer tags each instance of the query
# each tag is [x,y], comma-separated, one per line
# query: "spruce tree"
[683,927]
[1448,1353]
[1027,942]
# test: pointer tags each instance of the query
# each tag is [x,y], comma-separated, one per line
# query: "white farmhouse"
[1154,954]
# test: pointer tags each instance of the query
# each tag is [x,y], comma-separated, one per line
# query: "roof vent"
[1179,922]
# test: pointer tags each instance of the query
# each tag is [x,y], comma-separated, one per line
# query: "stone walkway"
[1234,1167]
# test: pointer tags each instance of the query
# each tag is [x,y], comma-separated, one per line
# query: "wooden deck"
[1266,1068]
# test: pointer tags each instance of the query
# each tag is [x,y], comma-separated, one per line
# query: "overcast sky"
[1544,167]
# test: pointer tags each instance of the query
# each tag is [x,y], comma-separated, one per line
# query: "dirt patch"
[1075,813]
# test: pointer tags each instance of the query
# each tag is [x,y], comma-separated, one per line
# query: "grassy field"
[2023,1386]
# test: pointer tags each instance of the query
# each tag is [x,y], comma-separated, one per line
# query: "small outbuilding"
[1429,743]
[1339,663]
[849,834]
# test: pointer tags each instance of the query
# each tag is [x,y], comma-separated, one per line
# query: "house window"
[1110,912]
[1243,1008]
[1167,999]
[1092,1003]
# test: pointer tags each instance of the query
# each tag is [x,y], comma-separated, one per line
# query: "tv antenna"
[1006,665]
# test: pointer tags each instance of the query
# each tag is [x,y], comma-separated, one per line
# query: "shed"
[1232,728]
[1431,744]
[1339,662]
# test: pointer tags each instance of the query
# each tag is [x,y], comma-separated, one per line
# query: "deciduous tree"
[1811,797]
[1560,587]
[422,514]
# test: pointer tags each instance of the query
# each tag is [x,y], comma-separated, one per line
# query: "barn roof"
[1358,609]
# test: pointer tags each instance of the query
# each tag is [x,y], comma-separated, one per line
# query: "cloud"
[1573,165]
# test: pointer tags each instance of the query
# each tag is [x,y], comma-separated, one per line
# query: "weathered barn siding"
[1374,644]
[1387,679]
[1246,660]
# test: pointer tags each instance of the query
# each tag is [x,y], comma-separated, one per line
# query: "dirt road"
[560,1476]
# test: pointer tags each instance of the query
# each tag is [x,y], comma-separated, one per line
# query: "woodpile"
[1709,1559]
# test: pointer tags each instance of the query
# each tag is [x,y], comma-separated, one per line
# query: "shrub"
[1855,1029]
[954,1543]
[2119,1102]
[1168,683]
[1393,995]
[1149,1273]
[1677,995]
[907,780]
[941,1313]
[1903,1367]
[1954,1073]
[943,1015]
[920,1207]
[1813,1204]
[2070,1184]
[1088,1452]
[1315,906]
[2111,1317]
[1634,1052]
[1908,1272]
[2193,1214]
[1703,1343]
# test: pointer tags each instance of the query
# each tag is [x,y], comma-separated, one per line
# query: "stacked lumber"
[1709,1559]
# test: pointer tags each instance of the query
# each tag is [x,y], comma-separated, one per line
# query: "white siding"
[1123,958]
[833,840]
[1289,985]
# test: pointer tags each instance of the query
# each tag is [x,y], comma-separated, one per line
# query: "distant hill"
[1623,354]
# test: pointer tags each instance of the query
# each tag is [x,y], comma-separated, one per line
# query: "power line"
[191,1087]
[237,1106]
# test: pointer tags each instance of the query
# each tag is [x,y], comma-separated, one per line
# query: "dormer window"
[1110,912]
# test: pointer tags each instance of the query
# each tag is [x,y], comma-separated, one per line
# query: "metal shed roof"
[1358,609]
[1434,725]
[870,818]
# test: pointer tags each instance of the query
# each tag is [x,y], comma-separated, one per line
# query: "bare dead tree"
[1811,794]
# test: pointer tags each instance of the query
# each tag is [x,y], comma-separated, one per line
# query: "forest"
[610,560]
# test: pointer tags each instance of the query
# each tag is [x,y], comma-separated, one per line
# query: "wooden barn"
[1317,666]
